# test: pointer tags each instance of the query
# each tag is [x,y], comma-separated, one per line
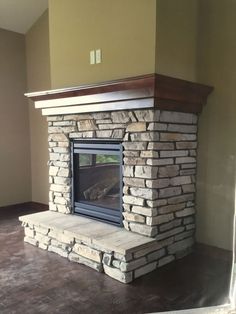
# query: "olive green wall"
[196,41]
[217,124]
[124,30]
[38,78]
[15,184]
[176,37]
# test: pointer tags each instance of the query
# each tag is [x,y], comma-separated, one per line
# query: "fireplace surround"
[142,130]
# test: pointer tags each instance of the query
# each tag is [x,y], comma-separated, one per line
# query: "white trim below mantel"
[72,107]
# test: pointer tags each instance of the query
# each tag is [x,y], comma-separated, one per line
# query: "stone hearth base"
[121,254]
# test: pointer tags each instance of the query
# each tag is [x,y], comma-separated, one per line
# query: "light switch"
[98,56]
[92,57]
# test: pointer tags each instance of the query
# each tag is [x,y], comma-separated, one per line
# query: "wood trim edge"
[167,93]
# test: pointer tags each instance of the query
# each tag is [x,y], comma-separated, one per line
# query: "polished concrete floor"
[34,281]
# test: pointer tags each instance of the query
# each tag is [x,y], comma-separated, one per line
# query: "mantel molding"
[148,91]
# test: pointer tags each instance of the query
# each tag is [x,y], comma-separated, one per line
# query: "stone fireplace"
[123,153]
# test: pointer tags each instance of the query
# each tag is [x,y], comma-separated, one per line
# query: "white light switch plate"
[98,56]
[92,57]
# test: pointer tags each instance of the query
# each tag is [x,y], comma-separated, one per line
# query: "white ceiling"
[19,15]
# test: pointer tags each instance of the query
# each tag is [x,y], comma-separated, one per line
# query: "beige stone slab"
[65,222]
[88,232]
[100,234]
[124,241]
[39,218]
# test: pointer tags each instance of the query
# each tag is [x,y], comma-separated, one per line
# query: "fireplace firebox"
[97,180]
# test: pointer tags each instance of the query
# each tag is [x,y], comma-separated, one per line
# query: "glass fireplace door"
[97,180]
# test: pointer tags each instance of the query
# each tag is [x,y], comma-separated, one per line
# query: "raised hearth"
[120,254]
[154,120]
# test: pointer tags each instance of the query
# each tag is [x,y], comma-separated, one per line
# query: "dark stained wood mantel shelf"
[147,91]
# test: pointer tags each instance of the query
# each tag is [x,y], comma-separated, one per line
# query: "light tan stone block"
[29,232]
[157,126]
[146,136]
[147,250]
[146,172]
[135,145]
[157,220]
[177,137]
[181,199]
[30,240]
[168,171]
[170,208]
[134,161]
[161,146]
[136,127]
[137,182]
[146,211]
[133,200]
[173,153]
[185,160]
[117,274]
[180,180]
[149,154]
[186,212]
[53,170]
[60,188]
[88,252]
[124,267]
[73,257]
[184,235]
[60,137]
[157,203]
[104,134]
[143,229]
[147,115]
[87,125]
[160,162]
[168,192]
[146,193]
[154,256]
[41,230]
[182,128]
[58,251]
[186,145]
[145,269]
[120,116]
[166,260]
[157,184]
[180,246]
[177,117]
[133,217]
[170,233]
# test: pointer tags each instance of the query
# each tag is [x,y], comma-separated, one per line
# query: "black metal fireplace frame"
[106,147]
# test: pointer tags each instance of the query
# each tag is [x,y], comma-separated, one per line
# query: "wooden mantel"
[148,91]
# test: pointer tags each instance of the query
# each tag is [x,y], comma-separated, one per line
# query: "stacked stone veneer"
[159,168]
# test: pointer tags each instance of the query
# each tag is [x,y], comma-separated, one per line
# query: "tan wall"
[14,121]
[177,30]
[195,41]
[38,78]
[124,30]
[217,153]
